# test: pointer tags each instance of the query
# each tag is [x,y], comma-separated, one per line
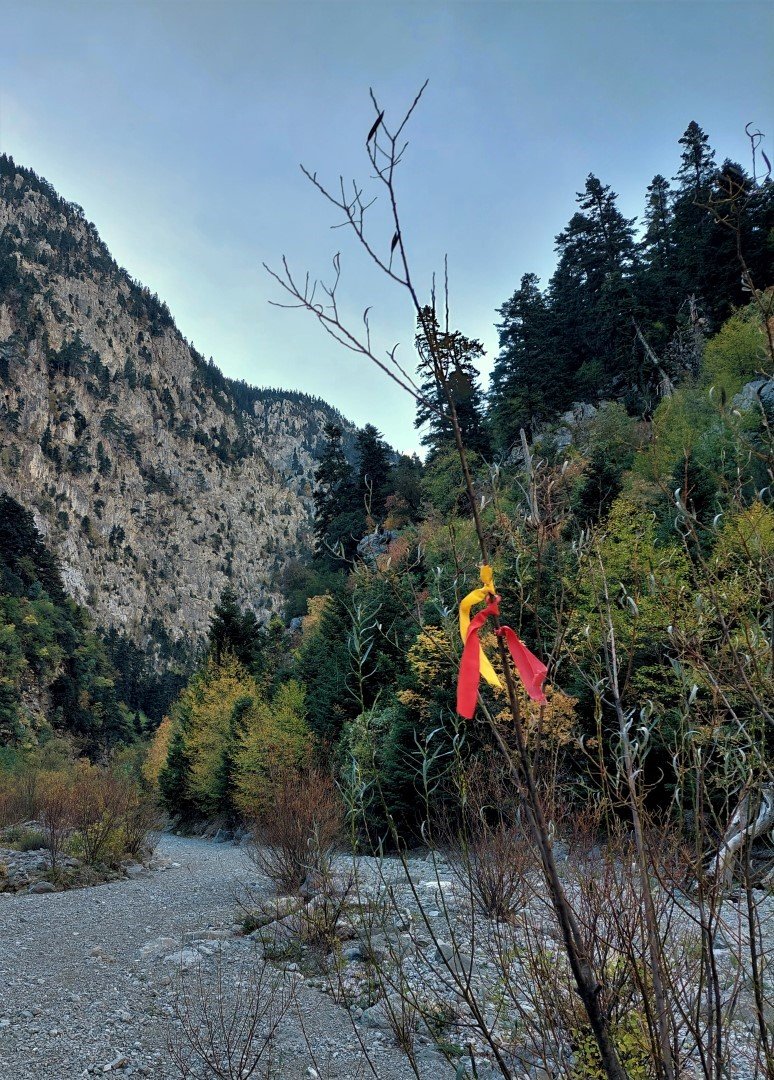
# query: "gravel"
[88,977]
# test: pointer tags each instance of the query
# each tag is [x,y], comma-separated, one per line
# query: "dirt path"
[83,986]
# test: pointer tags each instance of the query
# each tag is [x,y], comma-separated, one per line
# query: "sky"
[179,127]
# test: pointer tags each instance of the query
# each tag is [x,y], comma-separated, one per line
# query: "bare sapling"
[385,148]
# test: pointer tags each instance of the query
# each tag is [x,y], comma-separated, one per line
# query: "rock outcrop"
[156,481]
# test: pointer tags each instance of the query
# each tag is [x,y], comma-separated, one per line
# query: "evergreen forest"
[621,459]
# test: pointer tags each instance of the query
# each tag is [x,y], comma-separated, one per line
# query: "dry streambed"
[92,980]
[89,977]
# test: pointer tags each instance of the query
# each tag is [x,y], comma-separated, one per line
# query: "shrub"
[235,1041]
[20,796]
[296,835]
[100,804]
[488,850]
[9,804]
[56,815]
[28,793]
[24,839]
[140,826]
[737,352]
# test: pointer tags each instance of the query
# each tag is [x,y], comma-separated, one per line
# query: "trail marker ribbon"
[474,662]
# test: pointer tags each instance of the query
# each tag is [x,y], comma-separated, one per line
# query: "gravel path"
[80,995]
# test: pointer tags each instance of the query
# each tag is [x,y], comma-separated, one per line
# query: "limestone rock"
[155,481]
[755,395]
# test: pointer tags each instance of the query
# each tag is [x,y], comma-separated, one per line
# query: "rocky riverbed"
[89,978]
[30,871]
[109,979]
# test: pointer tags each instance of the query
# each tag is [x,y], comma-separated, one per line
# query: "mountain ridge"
[156,480]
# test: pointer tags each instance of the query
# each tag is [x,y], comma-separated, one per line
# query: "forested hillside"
[56,677]
[622,463]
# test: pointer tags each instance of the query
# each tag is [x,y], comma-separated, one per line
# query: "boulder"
[184,958]
[42,887]
[759,393]
[376,543]
[161,946]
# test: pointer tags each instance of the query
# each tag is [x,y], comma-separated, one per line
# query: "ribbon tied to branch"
[474,663]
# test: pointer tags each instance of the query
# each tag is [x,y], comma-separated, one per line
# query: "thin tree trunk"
[744,827]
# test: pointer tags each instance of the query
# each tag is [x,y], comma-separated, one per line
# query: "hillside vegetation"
[622,463]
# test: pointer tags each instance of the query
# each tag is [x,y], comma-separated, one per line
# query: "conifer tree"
[334,497]
[373,471]
[697,162]
[322,663]
[526,387]
[591,295]
[234,632]
[404,503]
[697,234]
[657,283]
[457,356]
[718,213]
[24,558]
[173,778]
[759,241]
[740,205]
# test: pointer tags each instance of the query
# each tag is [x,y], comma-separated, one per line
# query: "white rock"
[185,958]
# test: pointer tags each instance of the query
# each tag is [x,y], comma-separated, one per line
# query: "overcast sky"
[179,128]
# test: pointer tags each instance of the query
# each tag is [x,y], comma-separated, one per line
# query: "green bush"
[737,353]
[21,839]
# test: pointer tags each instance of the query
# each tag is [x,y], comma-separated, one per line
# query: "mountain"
[155,481]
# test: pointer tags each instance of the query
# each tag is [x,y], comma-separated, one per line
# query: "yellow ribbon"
[478,596]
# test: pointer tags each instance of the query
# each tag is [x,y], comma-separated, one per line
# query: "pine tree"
[448,357]
[173,779]
[373,471]
[234,632]
[713,208]
[757,233]
[746,208]
[700,241]
[336,519]
[322,665]
[526,387]
[404,503]
[697,162]
[24,558]
[591,295]
[657,284]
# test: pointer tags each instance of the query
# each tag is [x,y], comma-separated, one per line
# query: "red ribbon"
[470,674]
[531,670]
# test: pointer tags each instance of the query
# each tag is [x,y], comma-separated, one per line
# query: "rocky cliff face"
[156,482]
